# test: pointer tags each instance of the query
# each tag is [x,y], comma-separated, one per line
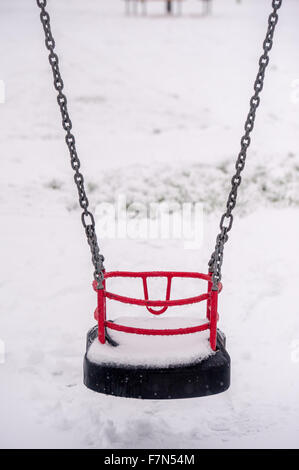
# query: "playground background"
[158,106]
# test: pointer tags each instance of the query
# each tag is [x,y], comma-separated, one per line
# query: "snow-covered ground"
[158,106]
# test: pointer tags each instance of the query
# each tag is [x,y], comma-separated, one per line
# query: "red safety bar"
[211,297]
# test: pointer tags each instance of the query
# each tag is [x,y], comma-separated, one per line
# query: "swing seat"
[154,358]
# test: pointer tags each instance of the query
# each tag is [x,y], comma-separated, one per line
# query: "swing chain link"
[226,222]
[87,217]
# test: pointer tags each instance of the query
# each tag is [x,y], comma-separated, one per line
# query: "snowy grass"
[271,184]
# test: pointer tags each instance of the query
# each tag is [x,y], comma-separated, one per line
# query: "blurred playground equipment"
[132,6]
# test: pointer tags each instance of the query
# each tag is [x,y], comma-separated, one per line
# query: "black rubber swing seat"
[207,377]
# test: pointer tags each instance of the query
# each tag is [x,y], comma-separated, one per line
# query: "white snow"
[153,351]
[158,107]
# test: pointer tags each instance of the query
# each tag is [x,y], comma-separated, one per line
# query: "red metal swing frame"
[211,296]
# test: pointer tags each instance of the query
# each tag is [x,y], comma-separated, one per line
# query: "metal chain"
[87,218]
[226,221]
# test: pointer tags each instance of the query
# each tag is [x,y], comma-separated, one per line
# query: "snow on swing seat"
[153,350]
[154,357]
